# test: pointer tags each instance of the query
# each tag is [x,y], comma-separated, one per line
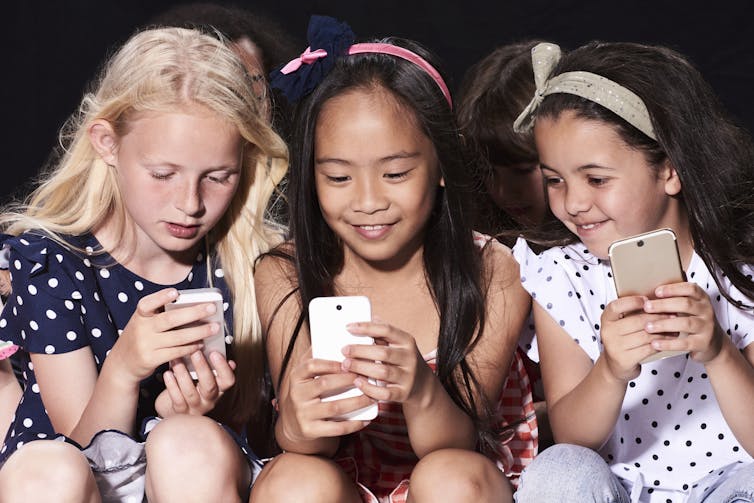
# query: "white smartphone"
[642,263]
[191,297]
[328,317]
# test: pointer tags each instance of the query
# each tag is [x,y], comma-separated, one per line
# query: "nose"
[577,200]
[188,198]
[368,197]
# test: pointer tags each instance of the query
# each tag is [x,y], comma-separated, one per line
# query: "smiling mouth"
[371,227]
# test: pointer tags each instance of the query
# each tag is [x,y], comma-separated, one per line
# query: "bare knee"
[178,450]
[48,470]
[458,475]
[298,477]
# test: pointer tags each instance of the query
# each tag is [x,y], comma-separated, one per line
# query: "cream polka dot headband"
[591,86]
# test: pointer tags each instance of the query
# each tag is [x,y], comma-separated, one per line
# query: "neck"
[149,262]
[359,276]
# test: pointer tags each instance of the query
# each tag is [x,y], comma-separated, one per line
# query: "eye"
[158,175]
[396,176]
[222,177]
[552,181]
[337,179]
[597,180]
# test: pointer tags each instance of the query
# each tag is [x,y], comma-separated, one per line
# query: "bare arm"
[302,424]
[583,400]
[10,394]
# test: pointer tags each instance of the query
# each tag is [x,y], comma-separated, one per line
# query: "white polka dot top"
[671,442]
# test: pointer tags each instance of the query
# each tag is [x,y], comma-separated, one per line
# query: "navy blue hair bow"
[328,39]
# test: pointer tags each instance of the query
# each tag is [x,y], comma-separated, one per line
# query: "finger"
[186,383]
[672,343]
[190,334]
[379,392]
[680,290]
[327,385]
[176,397]
[375,353]
[313,367]
[225,376]
[206,386]
[150,305]
[189,315]
[170,353]
[673,305]
[621,307]
[379,331]
[379,371]
[329,409]
[632,324]
[675,324]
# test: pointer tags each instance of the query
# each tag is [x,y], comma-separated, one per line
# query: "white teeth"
[588,226]
[371,227]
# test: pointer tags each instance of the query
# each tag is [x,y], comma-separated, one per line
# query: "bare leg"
[458,475]
[47,470]
[298,477]
[192,458]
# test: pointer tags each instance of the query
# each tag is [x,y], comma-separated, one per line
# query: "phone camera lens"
[640,243]
[338,307]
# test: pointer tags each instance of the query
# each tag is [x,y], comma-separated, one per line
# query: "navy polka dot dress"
[64,300]
[671,442]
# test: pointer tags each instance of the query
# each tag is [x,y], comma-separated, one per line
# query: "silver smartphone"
[642,263]
[328,317]
[191,297]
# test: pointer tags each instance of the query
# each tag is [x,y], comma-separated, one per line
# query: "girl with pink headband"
[379,199]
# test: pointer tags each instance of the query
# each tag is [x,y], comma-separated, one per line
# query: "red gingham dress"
[380,460]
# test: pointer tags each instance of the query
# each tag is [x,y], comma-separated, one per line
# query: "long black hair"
[452,262]
[714,157]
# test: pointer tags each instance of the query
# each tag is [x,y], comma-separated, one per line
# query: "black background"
[52,49]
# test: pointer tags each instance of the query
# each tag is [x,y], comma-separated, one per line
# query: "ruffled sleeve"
[572,286]
[43,313]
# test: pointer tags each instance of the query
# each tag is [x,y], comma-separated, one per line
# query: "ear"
[669,176]
[104,140]
[442,181]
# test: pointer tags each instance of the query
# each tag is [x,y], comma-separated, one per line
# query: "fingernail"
[647,306]
[211,308]
[649,327]
[346,364]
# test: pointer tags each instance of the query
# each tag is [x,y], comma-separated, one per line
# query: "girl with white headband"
[379,208]
[631,139]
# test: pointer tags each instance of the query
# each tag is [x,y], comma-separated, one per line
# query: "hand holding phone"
[643,262]
[328,317]
[191,297]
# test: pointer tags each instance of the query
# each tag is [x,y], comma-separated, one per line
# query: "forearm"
[436,422]
[112,406]
[323,446]
[732,378]
[587,415]
[10,394]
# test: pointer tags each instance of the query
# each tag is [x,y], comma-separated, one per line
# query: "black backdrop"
[52,48]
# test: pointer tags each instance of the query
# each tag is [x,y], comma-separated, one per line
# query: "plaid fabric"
[380,460]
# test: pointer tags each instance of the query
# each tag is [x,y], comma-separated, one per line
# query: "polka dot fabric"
[671,442]
[63,301]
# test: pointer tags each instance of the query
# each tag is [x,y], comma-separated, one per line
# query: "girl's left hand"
[692,314]
[183,395]
[394,361]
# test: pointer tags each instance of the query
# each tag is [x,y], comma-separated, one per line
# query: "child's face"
[177,174]
[517,190]
[376,175]
[599,187]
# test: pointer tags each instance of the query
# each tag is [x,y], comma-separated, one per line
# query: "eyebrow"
[383,160]
[580,168]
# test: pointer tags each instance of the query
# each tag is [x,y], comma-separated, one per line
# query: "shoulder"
[274,279]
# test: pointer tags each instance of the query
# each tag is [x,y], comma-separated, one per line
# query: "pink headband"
[309,56]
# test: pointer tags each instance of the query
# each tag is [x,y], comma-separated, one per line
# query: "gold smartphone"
[642,263]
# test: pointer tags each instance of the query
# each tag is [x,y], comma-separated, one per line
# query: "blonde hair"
[162,70]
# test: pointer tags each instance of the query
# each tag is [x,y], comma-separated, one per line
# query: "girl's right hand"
[304,416]
[152,336]
[625,341]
